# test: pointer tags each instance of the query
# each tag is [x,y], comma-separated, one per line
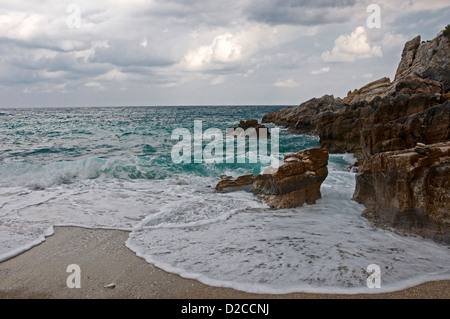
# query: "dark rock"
[429,126]
[228,184]
[251,128]
[408,191]
[296,181]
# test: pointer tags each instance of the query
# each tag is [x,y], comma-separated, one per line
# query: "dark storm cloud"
[296,12]
[125,53]
[194,13]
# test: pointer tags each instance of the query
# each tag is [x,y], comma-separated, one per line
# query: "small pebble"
[112,286]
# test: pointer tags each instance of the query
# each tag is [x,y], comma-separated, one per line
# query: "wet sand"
[41,273]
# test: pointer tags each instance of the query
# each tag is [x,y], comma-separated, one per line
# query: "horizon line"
[122,106]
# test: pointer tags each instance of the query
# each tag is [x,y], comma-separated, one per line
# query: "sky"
[56,53]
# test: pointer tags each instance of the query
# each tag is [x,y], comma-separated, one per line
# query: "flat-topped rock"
[295,182]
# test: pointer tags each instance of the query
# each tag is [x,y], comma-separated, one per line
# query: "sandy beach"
[40,273]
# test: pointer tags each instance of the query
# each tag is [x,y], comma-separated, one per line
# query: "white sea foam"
[234,240]
[26,214]
[323,248]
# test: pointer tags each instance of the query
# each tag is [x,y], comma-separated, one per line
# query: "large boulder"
[296,181]
[408,190]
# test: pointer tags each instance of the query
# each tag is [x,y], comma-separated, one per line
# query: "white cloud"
[226,48]
[223,49]
[218,80]
[289,83]
[320,71]
[92,84]
[20,25]
[113,75]
[349,47]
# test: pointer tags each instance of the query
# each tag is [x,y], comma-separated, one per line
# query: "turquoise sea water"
[112,168]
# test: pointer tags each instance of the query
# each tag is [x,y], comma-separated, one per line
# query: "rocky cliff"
[422,81]
[408,191]
[385,117]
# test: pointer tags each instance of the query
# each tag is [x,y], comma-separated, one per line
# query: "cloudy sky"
[201,52]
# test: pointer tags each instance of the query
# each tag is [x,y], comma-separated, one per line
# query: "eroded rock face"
[429,126]
[408,56]
[408,191]
[415,85]
[296,181]
[427,60]
[302,119]
[368,91]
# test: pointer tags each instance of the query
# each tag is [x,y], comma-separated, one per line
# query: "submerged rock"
[249,128]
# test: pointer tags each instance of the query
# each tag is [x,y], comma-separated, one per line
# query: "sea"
[112,168]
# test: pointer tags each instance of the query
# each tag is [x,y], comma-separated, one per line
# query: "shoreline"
[41,273]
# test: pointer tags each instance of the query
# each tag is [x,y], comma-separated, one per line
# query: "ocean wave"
[42,175]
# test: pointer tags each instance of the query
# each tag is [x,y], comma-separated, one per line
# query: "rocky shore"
[380,124]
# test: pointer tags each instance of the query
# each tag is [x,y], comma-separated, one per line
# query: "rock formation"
[296,181]
[228,184]
[408,191]
[403,189]
[429,126]
[426,60]
[256,130]
[422,81]
[368,91]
